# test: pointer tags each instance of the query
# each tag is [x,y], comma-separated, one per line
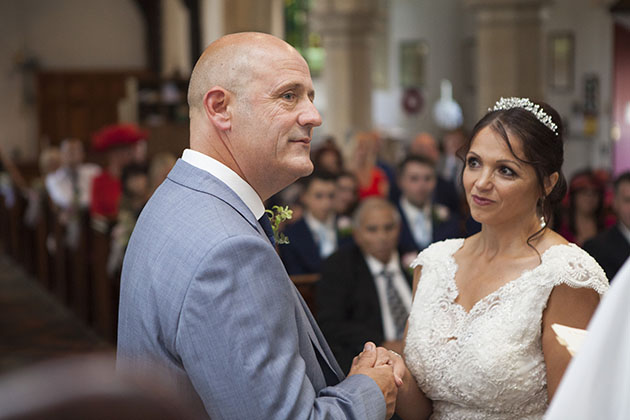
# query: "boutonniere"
[277,215]
[440,214]
[344,226]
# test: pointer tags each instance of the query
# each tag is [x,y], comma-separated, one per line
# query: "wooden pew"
[104,299]
[306,284]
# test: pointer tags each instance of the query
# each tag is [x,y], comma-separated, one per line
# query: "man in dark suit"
[365,292]
[611,248]
[314,237]
[422,220]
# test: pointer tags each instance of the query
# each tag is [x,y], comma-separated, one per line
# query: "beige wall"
[60,34]
[592,26]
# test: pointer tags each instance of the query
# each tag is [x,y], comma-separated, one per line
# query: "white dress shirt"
[419,220]
[400,283]
[61,191]
[242,189]
[324,233]
[625,231]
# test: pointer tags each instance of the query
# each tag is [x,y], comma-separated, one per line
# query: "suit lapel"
[317,337]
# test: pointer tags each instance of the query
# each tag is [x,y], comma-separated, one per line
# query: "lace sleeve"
[578,269]
[435,251]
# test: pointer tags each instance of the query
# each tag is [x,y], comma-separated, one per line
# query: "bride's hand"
[390,357]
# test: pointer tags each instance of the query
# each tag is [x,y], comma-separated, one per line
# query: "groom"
[203,291]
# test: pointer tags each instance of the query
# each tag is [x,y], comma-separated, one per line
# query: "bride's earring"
[542,222]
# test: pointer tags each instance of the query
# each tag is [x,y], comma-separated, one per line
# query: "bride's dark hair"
[543,149]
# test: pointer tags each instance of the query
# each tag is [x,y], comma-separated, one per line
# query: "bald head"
[231,62]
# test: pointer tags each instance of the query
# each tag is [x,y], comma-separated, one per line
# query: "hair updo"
[543,149]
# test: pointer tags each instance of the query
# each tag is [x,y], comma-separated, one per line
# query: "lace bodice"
[487,363]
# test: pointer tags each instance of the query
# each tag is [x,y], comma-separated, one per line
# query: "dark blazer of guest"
[610,249]
[301,254]
[348,309]
[441,229]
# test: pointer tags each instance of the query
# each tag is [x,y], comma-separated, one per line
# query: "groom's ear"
[216,103]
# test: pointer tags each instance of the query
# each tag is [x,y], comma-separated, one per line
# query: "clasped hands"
[385,367]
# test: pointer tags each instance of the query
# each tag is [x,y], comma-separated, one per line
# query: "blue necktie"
[266,225]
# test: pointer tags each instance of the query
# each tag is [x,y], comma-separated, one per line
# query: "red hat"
[116,135]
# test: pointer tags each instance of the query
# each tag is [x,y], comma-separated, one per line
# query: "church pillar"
[345,27]
[509,49]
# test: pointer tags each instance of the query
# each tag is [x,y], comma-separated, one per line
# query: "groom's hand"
[389,357]
[382,374]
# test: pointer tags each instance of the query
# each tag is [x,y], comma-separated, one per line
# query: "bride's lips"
[480,201]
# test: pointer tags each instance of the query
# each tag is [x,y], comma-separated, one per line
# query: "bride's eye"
[508,172]
[472,162]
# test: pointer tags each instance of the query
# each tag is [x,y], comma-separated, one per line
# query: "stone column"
[345,27]
[509,49]
[175,38]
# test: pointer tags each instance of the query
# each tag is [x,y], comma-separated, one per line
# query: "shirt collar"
[625,231]
[315,224]
[413,211]
[376,267]
[230,178]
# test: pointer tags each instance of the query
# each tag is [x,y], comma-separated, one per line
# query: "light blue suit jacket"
[204,294]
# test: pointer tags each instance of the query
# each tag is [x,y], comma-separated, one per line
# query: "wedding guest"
[314,237]
[328,157]
[364,293]
[372,179]
[423,221]
[479,340]
[611,248]
[445,191]
[450,166]
[585,214]
[135,192]
[203,291]
[346,194]
[118,141]
[69,187]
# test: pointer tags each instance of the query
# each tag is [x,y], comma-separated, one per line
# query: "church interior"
[82,78]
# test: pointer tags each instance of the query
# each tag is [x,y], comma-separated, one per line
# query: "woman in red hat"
[120,142]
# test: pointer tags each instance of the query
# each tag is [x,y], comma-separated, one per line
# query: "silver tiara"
[527,105]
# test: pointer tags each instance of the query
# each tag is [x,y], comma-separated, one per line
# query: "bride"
[479,342]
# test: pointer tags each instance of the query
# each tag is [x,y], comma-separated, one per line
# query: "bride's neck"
[509,239]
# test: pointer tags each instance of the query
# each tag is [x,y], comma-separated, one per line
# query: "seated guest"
[585,215]
[346,194]
[365,293]
[314,237]
[70,185]
[119,142]
[611,248]
[135,184]
[372,179]
[423,221]
[328,157]
[445,191]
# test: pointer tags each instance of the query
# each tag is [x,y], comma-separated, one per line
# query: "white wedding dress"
[487,363]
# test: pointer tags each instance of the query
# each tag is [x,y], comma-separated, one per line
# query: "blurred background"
[93,115]
[69,67]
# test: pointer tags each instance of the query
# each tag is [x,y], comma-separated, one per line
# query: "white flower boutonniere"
[440,213]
